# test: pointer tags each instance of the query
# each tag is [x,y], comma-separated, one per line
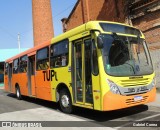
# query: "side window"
[15,66]
[23,64]
[59,54]
[43,59]
[94,59]
[6,69]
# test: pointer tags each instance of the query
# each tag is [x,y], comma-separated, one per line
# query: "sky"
[16,17]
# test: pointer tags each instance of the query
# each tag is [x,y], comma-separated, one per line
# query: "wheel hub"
[65,101]
[17,93]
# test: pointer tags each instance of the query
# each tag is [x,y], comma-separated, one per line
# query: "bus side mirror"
[100,42]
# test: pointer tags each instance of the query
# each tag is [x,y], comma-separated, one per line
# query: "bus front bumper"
[113,101]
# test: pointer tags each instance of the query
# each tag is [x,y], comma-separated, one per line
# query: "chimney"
[85,10]
[42,21]
[64,25]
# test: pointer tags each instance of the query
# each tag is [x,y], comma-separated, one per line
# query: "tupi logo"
[48,75]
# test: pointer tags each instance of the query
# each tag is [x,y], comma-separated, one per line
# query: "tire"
[65,101]
[18,93]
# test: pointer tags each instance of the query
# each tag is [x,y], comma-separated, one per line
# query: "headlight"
[153,83]
[113,87]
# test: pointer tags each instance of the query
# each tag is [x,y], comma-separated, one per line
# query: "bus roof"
[29,51]
[84,27]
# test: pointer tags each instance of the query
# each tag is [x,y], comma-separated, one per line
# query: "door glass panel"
[32,60]
[88,76]
[31,74]
[78,54]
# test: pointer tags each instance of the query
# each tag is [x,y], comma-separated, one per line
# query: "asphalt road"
[31,109]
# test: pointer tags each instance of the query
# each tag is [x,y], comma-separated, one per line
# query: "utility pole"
[19,44]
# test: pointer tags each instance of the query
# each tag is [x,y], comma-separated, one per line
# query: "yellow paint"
[99,82]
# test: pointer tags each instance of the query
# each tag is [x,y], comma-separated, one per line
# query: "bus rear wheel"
[65,101]
[18,93]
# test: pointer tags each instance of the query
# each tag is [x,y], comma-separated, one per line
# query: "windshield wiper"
[131,67]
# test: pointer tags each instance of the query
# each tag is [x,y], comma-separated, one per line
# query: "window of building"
[59,54]
[23,64]
[16,66]
[43,59]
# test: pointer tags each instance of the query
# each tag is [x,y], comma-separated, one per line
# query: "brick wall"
[42,21]
[155,54]
[97,10]
[150,25]
[76,18]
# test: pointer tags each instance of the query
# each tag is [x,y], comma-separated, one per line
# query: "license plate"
[137,98]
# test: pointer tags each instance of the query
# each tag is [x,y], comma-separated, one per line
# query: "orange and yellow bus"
[99,65]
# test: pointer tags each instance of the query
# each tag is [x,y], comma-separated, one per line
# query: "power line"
[7,32]
[22,33]
[64,10]
[28,30]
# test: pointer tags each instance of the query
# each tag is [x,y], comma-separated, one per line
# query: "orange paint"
[15,79]
[39,89]
[33,89]
[6,83]
[114,101]
[23,83]
[43,88]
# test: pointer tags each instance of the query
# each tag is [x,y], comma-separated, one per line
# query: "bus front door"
[82,77]
[31,76]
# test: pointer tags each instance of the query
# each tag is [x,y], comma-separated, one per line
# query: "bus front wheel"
[18,93]
[65,101]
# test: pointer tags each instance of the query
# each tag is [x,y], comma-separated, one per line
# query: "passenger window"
[43,59]
[16,66]
[23,64]
[59,54]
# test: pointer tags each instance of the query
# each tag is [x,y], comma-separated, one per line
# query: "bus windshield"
[125,56]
